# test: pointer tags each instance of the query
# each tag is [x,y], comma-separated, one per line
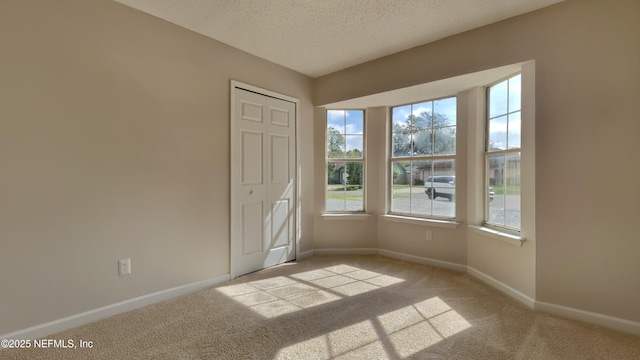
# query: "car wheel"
[431,193]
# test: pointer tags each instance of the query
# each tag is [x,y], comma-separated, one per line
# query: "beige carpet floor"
[342,307]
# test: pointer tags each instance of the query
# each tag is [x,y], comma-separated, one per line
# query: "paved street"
[418,203]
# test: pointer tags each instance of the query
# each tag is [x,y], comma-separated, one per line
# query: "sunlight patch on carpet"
[414,339]
[397,334]
[282,295]
[343,341]
[449,323]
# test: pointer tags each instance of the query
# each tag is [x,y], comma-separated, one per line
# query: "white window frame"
[487,153]
[391,159]
[345,160]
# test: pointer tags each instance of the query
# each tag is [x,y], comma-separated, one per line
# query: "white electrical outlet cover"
[124,267]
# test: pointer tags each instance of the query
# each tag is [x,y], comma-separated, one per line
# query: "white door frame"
[234,159]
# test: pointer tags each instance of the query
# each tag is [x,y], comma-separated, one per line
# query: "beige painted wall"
[114,144]
[587,88]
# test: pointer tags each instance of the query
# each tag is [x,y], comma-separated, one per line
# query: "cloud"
[346,121]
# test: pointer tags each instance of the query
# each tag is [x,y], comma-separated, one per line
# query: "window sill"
[345,216]
[499,235]
[447,224]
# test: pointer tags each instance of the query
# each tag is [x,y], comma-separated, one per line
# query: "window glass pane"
[344,186]
[495,168]
[399,117]
[354,146]
[336,144]
[512,190]
[419,202]
[514,128]
[445,112]
[445,141]
[335,187]
[421,115]
[440,188]
[515,93]
[354,122]
[498,99]
[401,189]
[401,144]
[498,133]
[422,143]
[335,171]
[354,175]
[335,120]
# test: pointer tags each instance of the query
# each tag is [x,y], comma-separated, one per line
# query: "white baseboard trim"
[423,260]
[612,322]
[350,251]
[527,300]
[52,327]
[391,254]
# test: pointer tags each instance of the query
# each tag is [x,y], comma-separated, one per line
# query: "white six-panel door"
[263,206]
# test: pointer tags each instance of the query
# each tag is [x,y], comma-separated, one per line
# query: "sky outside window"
[505,114]
[349,123]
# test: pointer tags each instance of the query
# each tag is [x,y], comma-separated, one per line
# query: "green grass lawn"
[510,189]
[338,193]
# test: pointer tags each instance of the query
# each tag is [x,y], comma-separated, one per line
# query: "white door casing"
[263,179]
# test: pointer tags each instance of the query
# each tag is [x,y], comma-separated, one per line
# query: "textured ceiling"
[317,37]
